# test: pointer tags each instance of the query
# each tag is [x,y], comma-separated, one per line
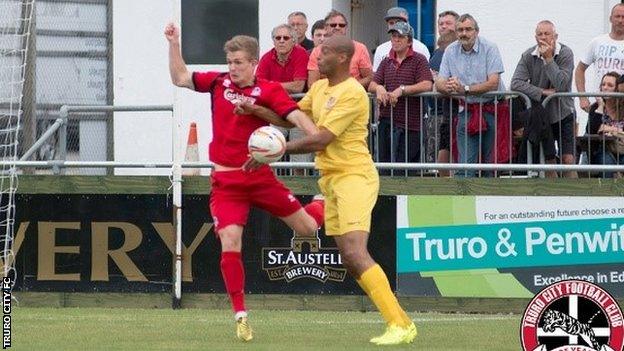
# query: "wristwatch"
[466,89]
[402,87]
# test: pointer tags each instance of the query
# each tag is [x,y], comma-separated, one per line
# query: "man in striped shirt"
[403,72]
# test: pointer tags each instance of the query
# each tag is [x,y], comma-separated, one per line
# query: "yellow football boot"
[243,330]
[396,335]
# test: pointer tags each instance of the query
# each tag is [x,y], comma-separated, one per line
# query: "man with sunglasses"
[360,66]
[394,16]
[286,62]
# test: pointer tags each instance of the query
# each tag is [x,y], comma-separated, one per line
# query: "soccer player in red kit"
[234,190]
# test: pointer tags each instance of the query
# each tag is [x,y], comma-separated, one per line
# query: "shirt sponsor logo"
[237,98]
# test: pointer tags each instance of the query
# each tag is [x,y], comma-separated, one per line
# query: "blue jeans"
[606,157]
[392,146]
[470,146]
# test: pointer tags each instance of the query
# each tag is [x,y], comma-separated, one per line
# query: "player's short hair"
[291,31]
[335,13]
[243,43]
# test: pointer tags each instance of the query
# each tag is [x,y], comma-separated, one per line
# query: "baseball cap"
[403,28]
[396,12]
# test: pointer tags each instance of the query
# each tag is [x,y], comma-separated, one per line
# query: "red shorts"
[234,192]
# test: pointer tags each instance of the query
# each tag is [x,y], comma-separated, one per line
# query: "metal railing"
[586,147]
[60,126]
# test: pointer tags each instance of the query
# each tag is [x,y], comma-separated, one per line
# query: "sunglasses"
[280,37]
[334,25]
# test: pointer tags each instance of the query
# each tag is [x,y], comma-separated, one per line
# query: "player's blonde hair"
[243,43]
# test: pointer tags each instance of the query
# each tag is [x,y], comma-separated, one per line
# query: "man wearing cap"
[395,15]
[360,66]
[403,72]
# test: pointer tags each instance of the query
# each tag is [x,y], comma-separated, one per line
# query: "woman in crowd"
[606,118]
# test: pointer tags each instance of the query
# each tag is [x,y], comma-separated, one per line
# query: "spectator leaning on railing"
[393,16]
[544,69]
[403,72]
[472,66]
[606,118]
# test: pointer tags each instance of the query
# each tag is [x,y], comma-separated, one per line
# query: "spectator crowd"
[465,122]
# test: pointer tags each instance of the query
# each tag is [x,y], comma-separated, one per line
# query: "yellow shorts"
[349,200]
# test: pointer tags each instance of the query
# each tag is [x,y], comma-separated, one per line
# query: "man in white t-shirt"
[606,52]
[394,15]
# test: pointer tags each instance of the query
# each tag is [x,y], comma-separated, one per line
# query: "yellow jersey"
[343,109]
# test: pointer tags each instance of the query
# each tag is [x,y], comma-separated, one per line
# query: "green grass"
[194,329]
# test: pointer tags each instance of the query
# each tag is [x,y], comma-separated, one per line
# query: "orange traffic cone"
[192,151]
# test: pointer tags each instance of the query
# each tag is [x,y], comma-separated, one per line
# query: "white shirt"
[383,50]
[607,55]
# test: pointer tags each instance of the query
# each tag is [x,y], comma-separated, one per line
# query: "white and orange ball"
[267,144]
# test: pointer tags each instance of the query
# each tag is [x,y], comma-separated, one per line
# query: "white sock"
[240,314]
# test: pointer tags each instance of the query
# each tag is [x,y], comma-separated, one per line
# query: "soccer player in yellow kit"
[349,181]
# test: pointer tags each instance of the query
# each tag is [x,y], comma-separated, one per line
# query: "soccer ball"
[266,144]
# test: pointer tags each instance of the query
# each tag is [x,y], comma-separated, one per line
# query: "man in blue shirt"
[472,66]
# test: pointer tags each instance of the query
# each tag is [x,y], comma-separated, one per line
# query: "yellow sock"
[375,283]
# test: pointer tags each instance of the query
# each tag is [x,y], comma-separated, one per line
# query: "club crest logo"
[572,315]
[305,258]
[256,91]
[330,103]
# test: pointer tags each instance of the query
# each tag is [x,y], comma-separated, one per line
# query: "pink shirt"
[361,59]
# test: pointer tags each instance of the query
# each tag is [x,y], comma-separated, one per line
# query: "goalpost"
[15,30]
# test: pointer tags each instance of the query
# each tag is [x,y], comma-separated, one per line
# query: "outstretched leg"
[373,280]
[234,277]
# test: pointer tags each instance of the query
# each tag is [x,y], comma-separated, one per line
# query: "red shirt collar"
[274,55]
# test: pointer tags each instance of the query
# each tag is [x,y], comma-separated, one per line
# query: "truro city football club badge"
[572,315]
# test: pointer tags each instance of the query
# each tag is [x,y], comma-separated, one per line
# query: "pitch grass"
[194,329]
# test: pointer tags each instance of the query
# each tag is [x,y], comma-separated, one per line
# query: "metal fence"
[72,64]
[430,131]
[587,142]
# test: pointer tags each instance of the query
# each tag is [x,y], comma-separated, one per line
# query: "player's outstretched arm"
[303,122]
[180,76]
[264,113]
[310,143]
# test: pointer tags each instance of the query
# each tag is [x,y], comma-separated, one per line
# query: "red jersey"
[230,132]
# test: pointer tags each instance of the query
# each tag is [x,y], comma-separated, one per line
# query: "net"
[15,29]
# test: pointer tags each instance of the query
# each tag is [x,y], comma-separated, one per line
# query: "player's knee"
[351,257]
[230,237]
